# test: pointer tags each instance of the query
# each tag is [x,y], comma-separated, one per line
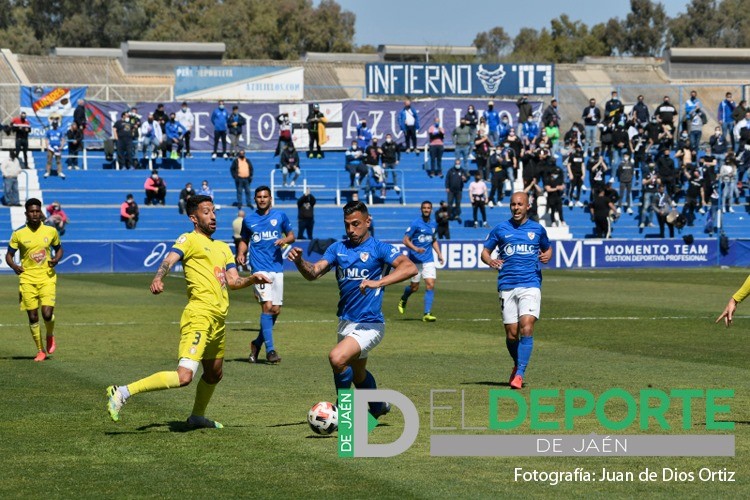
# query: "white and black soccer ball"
[323,418]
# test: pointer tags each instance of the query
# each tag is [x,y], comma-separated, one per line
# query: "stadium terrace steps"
[92,199]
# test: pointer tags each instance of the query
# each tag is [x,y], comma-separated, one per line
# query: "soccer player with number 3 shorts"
[359,261]
[209,270]
[523,246]
[36,274]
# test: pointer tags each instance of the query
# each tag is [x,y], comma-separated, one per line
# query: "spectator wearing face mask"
[175,134]
[242,173]
[219,121]
[286,128]
[151,137]
[391,155]
[436,136]
[54,141]
[185,117]
[156,189]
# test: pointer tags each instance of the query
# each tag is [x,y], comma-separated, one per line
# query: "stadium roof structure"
[710,64]
[163,57]
[86,52]
[343,57]
[423,52]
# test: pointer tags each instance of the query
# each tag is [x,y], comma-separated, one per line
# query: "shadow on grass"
[738,422]
[491,383]
[246,329]
[173,426]
[244,360]
[289,424]
[17,358]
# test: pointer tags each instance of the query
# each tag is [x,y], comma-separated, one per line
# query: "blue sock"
[512,346]
[369,383]
[266,330]
[429,296]
[524,353]
[343,380]
[407,292]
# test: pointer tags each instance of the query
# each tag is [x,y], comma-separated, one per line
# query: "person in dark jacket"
[235,122]
[306,215]
[455,179]
[74,140]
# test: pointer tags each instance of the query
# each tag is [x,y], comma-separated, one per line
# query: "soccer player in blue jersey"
[267,231]
[522,245]
[359,261]
[421,240]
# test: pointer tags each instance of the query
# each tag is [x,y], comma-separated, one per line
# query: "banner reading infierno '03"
[40,103]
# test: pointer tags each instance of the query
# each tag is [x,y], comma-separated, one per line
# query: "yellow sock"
[156,382]
[202,396]
[50,326]
[36,332]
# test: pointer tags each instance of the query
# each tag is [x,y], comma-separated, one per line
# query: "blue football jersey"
[421,234]
[260,232]
[353,264]
[519,250]
[54,137]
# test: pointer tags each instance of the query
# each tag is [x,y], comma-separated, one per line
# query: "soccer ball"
[323,418]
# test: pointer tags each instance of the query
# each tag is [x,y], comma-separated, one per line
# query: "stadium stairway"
[92,198]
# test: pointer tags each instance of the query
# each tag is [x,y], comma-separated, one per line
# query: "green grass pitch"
[599,329]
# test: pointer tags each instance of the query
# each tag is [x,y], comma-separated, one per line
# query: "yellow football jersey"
[205,262]
[34,246]
[743,292]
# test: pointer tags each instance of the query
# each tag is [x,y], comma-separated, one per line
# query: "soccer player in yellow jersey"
[209,270]
[738,297]
[37,277]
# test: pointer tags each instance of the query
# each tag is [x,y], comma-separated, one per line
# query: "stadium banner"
[434,80]
[261,83]
[145,256]
[262,130]
[39,103]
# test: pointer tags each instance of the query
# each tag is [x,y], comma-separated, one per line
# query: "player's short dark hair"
[194,201]
[262,188]
[355,206]
[428,202]
[32,202]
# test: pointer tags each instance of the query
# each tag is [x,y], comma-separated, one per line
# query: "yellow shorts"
[201,336]
[32,295]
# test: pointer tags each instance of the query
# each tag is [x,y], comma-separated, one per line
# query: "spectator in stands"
[151,138]
[129,212]
[640,113]
[552,129]
[625,174]
[442,218]
[185,118]
[175,135]
[509,162]
[161,117]
[462,140]
[666,112]
[56,217]
[728,179]
[206,190]
[613,109]
[54,143]
[665,137]
[237,234]
[601,207]
[306,215]
[408,122]
[483,128]
[472,119]
[454,186]
[376,180]
[572,138]
[525,112]
[22,128]
[737,115]
[478,195]
[242,172]
[391,155]
[124,140]
[639,144]
[493,122]
[135,125]
[290,165]
[503,130]
[529,130]
[235,122]
[597,171]
[620,145]
[576,176]
[551,113]
[482,148]
[316,128]
[355,164]
[662,207]
[718,144]
[649,186]
[74,140]
[219,118]
[693,194]
[695,119]
[186,193]
[691,104]
[156,189]
[436,134]
[725,116]
[592,116]
[79,115]
[554,186]
[514,141]
[667,174]
[364,135]
[497,178]
[11,169]
[742,131]
[286,127]
[373,152]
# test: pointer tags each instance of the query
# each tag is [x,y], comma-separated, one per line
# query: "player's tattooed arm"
[236,282]
[157,285]
[310,271]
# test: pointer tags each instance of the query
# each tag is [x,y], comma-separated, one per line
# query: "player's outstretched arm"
[236,282]
[157,285]
[288,239]
[728,313]
[403,269]
[308,270]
